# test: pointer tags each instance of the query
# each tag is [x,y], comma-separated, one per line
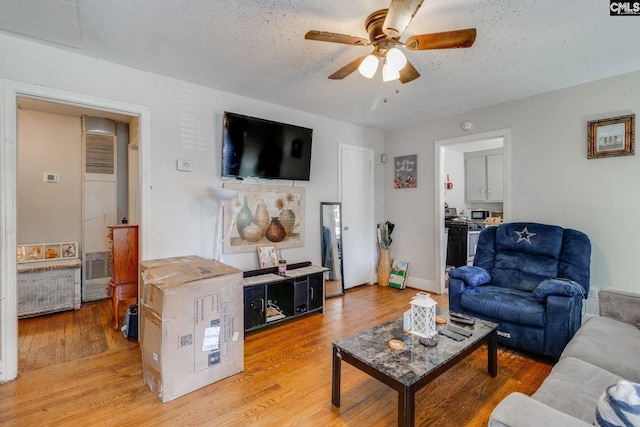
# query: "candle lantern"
[423,315]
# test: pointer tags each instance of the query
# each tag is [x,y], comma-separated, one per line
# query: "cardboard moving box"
[193,323]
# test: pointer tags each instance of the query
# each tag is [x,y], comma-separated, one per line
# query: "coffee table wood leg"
[492,357]
[406,407]
[335,381]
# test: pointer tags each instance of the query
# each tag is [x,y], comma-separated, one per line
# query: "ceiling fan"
[385,27]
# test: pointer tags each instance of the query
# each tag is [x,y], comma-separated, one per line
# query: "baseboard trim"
[423,285]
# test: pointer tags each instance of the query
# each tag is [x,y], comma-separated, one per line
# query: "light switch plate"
[184,165]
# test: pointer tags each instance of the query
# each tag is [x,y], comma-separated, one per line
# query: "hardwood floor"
[74,369]
[68,336]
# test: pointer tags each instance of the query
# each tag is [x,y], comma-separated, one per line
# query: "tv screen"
[260,148]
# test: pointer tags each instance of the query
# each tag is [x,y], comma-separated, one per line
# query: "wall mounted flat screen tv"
[261,148]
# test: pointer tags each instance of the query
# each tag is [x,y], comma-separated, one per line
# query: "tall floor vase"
[384,267]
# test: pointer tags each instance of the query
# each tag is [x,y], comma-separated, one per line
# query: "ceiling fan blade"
[325,36]
[444,40]
[399,15]
[408,73]
[347,69]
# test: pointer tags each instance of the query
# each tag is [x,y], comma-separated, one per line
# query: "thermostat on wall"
[51,177]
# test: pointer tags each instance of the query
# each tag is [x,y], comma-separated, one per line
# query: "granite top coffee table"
[410,369]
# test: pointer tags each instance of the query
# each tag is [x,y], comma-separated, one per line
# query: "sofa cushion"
[609,344]
[574,387]
[510,305]
[520,410]
[619,405]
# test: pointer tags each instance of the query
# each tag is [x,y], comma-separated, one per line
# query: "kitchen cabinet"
[484,178]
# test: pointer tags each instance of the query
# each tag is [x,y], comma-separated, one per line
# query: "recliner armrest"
[560,287]
[471,275]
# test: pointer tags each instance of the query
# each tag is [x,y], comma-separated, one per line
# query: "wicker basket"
[384,267]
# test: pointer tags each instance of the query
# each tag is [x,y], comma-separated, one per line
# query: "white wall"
[551,179]
[186,123]
[48,212]
[454,167]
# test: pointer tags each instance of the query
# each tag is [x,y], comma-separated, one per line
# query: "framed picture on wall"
[611,137]
[262,215]
[405,172]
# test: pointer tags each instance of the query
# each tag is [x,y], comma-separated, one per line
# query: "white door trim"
[9,92]
[439,180]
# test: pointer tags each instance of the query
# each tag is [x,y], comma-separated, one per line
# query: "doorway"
[468,144]
[12,92]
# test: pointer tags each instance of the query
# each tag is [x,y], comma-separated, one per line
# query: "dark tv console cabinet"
[270,299]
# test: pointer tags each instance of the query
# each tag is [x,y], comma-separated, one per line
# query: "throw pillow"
[619,405]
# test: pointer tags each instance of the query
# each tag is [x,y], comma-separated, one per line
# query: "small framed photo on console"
[267,256]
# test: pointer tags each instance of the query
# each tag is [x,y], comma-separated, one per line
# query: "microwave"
[479,214]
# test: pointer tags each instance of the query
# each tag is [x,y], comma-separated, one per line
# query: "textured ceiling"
[257,49]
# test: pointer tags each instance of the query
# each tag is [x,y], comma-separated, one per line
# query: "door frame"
[440,178]
[10,91]
[371,226]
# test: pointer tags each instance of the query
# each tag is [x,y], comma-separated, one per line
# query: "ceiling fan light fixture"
[389,73]
[369,66]
[396,59]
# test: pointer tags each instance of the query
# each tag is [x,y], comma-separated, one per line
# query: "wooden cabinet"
[270,299]
[124,266]
[124,253]
[484,178]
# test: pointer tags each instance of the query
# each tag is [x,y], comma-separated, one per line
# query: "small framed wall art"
[267,256]
[611,137]
[46,251]
[405,171]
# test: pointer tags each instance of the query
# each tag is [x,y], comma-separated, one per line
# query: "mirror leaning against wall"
[331,246]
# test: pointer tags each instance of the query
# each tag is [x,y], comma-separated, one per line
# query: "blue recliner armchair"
[530,279]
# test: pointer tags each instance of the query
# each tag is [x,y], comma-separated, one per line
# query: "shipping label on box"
[207,329]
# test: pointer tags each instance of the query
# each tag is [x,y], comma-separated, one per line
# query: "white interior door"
[358,229]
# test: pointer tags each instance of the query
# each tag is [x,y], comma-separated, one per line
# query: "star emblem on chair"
[525,235]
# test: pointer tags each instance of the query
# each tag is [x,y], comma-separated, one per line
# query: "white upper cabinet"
[495,178]
[484,178]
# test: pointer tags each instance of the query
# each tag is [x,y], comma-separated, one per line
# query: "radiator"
[48,286]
